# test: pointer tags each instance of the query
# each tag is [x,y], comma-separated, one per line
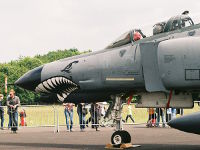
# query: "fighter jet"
[164,69]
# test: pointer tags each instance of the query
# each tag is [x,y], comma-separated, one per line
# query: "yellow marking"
[120,79]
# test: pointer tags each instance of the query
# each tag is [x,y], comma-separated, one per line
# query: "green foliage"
[15,69]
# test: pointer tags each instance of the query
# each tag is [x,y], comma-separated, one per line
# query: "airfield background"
[53,115]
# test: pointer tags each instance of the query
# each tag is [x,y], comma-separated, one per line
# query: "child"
[152,118]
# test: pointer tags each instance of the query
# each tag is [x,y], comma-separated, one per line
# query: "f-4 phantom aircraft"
[163,69]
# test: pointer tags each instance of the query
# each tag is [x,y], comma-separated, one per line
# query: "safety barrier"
[33,116]
[139,115]
[53,116]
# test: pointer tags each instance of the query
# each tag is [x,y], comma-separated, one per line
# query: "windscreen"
[122,40]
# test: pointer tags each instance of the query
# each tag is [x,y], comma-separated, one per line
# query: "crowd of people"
[165,114]
[95,111]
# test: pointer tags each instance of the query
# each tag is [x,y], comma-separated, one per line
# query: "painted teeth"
[49,81]
[58,80]
[60,98]
[38,90]
[40,86]
[54,81]
[45,84]
[52,85]
[64,95]
[62,80]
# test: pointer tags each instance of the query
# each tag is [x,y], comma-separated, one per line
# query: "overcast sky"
[30,27]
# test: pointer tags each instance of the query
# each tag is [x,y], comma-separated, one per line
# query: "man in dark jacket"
[82,112]
[13,103]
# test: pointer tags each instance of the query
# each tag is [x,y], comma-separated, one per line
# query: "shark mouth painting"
[61,86]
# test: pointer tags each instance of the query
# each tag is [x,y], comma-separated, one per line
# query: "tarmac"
[148,138]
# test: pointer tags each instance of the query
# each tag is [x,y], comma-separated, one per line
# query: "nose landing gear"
[120,138]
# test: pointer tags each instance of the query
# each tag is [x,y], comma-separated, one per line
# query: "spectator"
[152,118]
[173,113]
[13,103]
[68,115]
[22,115]
[103,110]
[91,119]
[181,111]
[1,111]
[168,114]
[96,116]
[9,118]
[129,115]
[9,122]
[160,113]
[82,111]
[102,114]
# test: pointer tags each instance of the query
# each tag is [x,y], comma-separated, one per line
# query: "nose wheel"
[120,137]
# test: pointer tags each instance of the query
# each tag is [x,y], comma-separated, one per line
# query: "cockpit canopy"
[174,23]
[125,38]
[178,22]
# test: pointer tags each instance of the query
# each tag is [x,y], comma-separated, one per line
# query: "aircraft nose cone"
[31,79]
[188,123]
[175,123]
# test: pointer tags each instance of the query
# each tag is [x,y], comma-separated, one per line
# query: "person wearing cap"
[13,103]
[1,111]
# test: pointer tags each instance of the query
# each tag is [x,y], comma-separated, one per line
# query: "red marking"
[136,36]
[130,98]
[169,99]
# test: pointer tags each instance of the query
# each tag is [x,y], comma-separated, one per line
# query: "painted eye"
[69,67]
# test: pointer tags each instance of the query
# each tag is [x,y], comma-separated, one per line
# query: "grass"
[46,115]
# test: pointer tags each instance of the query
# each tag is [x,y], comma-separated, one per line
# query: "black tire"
[120,137]
[117,138]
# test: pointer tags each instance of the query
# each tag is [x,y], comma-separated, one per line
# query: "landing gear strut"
[120,136]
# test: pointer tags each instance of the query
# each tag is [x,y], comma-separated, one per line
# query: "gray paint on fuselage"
[92,69]
[95,69]
[175,58]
